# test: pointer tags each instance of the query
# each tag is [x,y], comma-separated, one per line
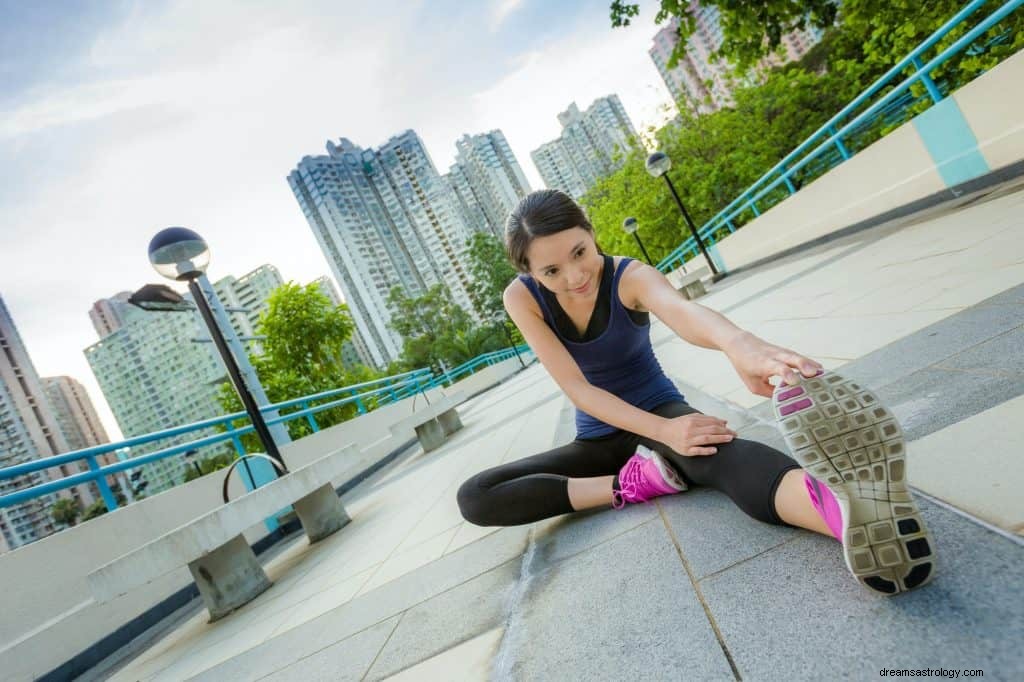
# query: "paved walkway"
[929,314]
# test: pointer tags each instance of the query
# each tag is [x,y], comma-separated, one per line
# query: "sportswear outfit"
[615,354]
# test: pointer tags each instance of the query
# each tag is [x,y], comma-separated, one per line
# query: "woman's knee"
[472,502]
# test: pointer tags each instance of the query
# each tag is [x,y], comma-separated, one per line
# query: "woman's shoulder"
[629,283]
[517,293]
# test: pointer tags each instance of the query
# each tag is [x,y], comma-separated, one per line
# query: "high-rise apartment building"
[487,181]
[246,298]
[75,413]
[384,218]
[354,351]
[701,83]
[593,143]
[28,431]
[155,377]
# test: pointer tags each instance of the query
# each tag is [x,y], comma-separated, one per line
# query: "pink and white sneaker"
[854,457]
[645,476]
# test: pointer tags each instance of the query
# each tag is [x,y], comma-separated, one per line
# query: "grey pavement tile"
[932,399]
[715,534]
[564,536]
[347,660]
[936,343]
[709,404]
[1003,353]
[622,610]
[796,613]
[375,606]
[447,620]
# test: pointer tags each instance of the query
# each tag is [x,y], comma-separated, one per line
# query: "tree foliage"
[715,158]
[871,35]
[301,356]
[207,465]
[436,331]
[66,511]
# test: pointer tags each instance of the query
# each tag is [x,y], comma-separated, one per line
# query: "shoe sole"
[843,437]
[664,468]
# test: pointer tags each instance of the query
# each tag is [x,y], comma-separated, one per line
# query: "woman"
[586,317]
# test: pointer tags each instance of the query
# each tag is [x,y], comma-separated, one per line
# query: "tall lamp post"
[658,165]
[630,226]
[182,255]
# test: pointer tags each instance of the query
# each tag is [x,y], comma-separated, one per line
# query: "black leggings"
[537,487]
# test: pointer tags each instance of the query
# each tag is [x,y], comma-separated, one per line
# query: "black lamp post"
[182,255]
[515,349]
[658,165]
[630,226]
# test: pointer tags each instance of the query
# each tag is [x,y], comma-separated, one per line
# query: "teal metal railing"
[385,390]
[837,140]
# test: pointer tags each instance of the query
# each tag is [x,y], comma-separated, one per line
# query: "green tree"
[715,157]
[750,30]
[437,330]
[97,508]
[66,511]
[207,465]
[870,35]
[302,355]
[491,271]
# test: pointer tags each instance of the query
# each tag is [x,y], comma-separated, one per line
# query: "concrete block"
[321,513]
[430,435]
[449,421]
[229,577]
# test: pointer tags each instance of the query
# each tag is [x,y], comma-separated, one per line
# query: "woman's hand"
[695,434]
[756,361]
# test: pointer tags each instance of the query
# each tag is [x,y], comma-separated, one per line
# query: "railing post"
[753,207]
[310,418]
[359,402]
[843,151]
[101,483]
[789,183]
[732,228]
[929,84]
[239,448]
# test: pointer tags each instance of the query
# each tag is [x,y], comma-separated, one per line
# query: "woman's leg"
[569,478]
[763,482]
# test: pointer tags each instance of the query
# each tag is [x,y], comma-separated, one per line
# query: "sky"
[119,118]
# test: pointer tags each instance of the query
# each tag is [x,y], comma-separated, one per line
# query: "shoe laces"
[630,479]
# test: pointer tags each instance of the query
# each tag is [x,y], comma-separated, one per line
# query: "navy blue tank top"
[620,360]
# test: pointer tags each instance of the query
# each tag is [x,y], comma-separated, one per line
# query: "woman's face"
[567,263]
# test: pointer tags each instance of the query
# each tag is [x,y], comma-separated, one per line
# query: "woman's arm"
[754,359]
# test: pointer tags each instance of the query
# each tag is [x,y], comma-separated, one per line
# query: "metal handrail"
[404,384]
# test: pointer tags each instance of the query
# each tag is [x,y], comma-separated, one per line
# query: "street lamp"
[658,165]
[501,323]
[630,226]
[189,458]
[182,255]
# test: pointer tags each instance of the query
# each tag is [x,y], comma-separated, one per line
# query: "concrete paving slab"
[567,535]
[447,620]
[466,662]
[975,465]
[795,612]
[349,659]
[389,600]
[622,610]
[715,534]
[409,560]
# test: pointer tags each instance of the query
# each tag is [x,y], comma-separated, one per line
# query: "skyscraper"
[700,82]
[383,218]
[246,298]
[354,351]
[28,431]
[593,143]
[487,181]
[155,377]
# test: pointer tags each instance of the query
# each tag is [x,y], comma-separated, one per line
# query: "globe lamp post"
[630,226]
[182,255]
[658,165]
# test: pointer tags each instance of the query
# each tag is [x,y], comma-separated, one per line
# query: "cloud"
[502,9]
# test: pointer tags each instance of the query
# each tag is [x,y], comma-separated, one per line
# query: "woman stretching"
[586,317]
